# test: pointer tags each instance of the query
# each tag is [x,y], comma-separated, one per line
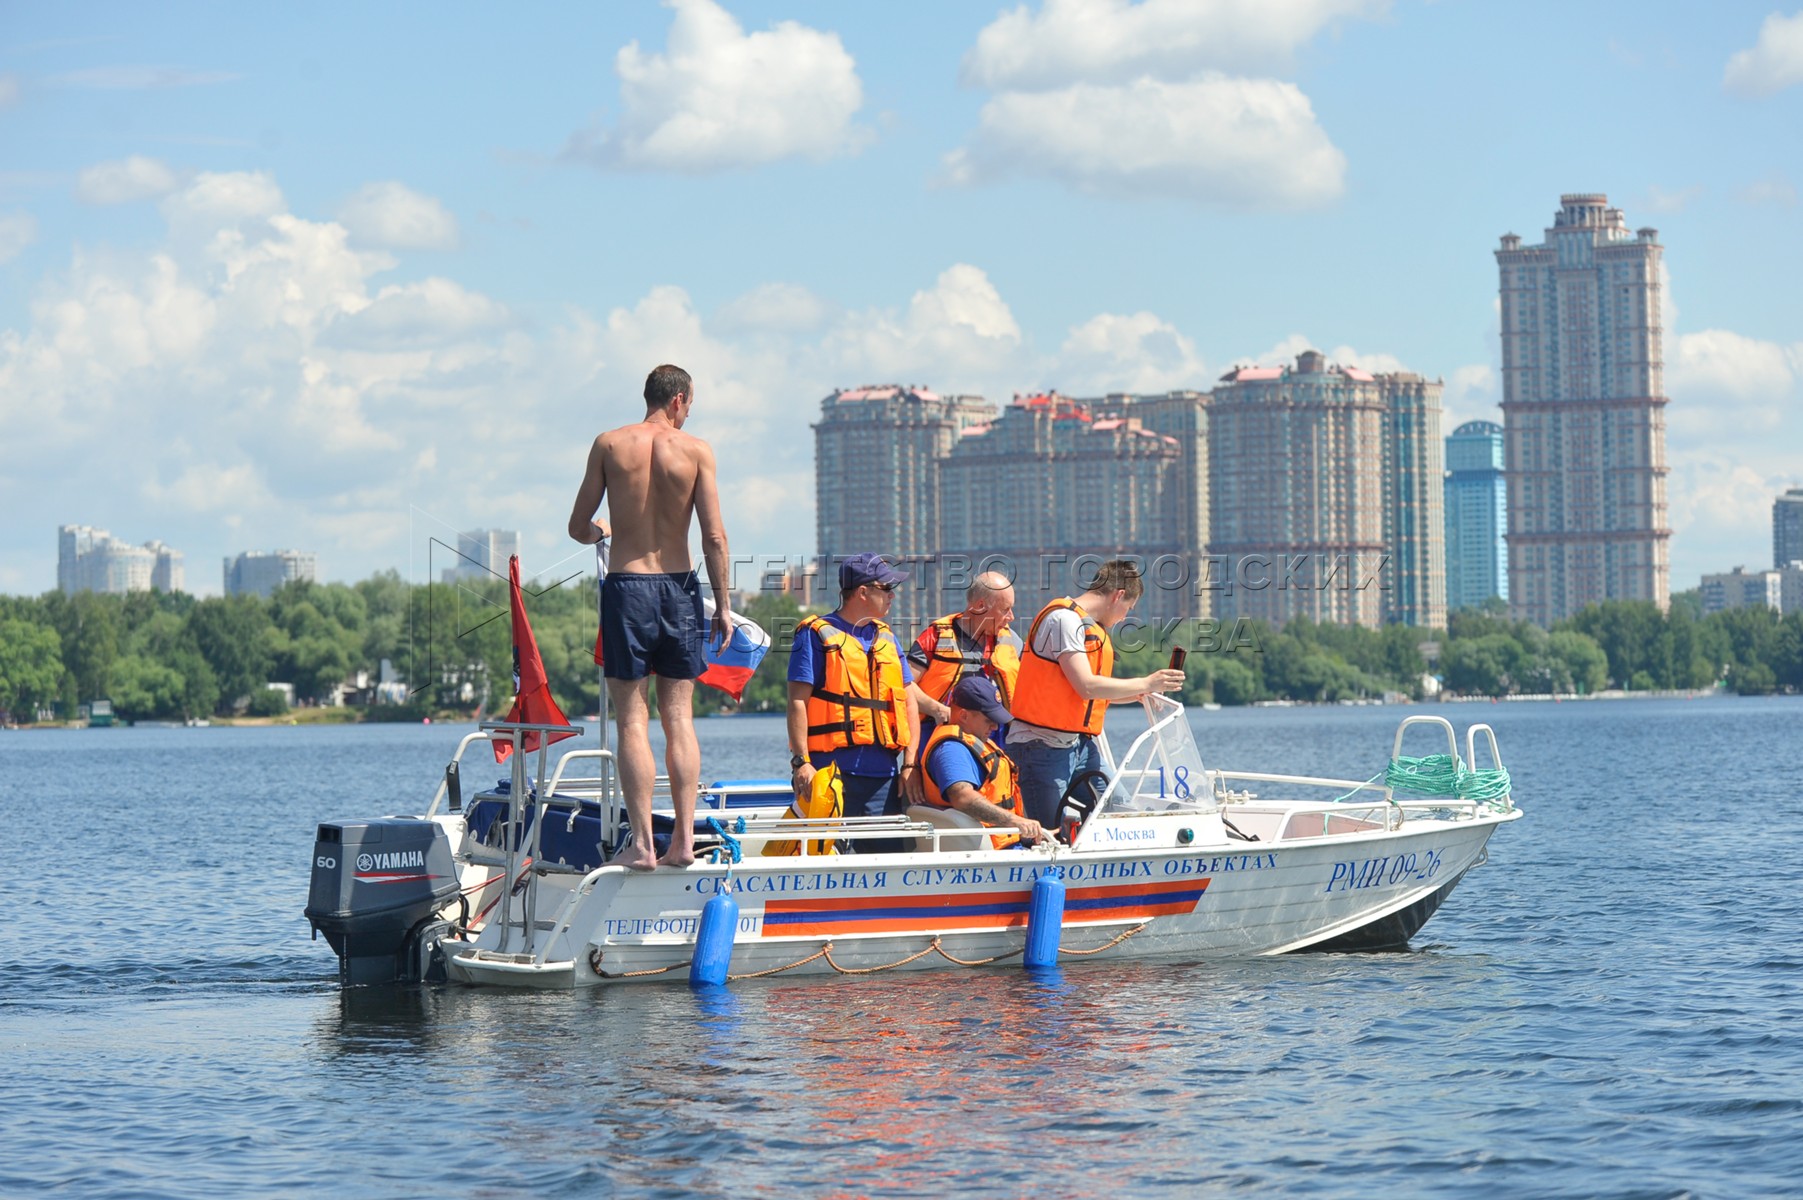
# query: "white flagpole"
[600,672]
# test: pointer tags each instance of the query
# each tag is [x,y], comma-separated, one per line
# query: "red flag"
[532,702]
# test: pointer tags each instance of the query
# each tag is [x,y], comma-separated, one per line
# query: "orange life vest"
[861,699]
[1045,697]
[948,663]
[999,786]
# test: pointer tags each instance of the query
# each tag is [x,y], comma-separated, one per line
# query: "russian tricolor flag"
[730,666]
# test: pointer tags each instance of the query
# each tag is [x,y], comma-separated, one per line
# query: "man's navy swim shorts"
[652,625]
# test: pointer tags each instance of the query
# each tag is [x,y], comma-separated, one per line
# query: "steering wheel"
[1080,797]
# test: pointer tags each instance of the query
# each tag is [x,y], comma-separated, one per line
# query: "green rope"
[1444,775]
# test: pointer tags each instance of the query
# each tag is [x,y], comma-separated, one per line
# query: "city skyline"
[248,300]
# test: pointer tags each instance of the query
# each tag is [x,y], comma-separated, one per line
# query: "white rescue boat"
[1170,858]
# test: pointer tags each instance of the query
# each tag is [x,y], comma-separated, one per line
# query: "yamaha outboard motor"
[378,886]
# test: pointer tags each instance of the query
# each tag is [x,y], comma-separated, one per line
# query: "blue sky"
[342,278]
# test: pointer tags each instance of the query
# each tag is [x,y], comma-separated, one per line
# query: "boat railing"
[1395,809]
[587,787]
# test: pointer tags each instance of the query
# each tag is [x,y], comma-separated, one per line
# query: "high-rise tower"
[1325,495]
[1477,513]
[1584,413]
[876,483]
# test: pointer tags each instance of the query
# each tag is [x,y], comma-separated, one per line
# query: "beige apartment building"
[1584,413]
[1055,486]
[877,452]
[1326,495]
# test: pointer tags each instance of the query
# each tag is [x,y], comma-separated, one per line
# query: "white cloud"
[209,488]
[1724,386]
[393,214]
[1284,354]
[317,406]
[1721,513]
[1472,392]
[431,312]
[718,97]
[1774,189]
[139,78]
[1132,352]
[1115,41]
[958,334]
[125,180]
[773,308]
[1661,201]
[215,200]
[1214,140]
[1733,424]
[1774,63]
[17,231]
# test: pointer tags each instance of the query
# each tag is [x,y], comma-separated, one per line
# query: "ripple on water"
[1606,1010]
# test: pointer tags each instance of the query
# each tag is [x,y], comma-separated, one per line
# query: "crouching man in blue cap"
[967,771]
[849,702]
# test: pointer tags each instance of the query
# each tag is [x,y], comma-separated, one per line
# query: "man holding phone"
[1066,684]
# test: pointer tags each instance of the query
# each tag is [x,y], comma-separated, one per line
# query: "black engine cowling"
[377,884]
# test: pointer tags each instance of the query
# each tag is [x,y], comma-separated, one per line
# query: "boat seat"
[947,818]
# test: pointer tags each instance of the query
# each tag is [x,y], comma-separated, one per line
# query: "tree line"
[172,656]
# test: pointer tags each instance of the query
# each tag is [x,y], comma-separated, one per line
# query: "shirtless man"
[654,477]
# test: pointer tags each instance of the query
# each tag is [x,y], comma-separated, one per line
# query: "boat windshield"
[1162,771]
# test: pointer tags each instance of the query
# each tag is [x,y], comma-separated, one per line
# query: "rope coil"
[1443,775]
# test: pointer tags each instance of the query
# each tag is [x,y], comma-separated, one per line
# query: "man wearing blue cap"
[849,702]
[967,771]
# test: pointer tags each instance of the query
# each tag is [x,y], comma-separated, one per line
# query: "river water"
[1610,1008]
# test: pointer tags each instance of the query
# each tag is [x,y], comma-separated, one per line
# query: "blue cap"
[861,569]
[978,694]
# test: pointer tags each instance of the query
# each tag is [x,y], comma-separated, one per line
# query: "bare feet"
[635,858]
[672,858]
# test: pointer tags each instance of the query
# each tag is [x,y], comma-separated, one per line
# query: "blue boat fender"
[1045,919]
[713,941]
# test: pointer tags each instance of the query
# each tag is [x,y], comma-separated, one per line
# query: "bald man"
[975,641]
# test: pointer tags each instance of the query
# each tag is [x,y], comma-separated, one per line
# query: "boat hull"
[859,913]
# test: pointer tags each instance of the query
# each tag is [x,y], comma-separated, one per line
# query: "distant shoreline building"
[263,573]
[1741,588]
[1477,516]
[1326,493]
[1584,413]
[1787,528]
[93,560]
[482,554]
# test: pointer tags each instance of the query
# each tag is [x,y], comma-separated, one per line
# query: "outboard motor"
[378,886]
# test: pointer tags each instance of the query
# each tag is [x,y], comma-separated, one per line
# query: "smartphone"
[1178,654]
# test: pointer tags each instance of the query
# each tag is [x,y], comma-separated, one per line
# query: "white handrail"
[1471,746]
[432,809]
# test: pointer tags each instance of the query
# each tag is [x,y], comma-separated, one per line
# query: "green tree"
[31,666]
[1234,682]
[1627,630]
[1483,666]
[145,690]
[232,634]
[88,625]
[1586,666]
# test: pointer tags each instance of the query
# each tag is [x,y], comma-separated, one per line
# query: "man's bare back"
[652,476]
